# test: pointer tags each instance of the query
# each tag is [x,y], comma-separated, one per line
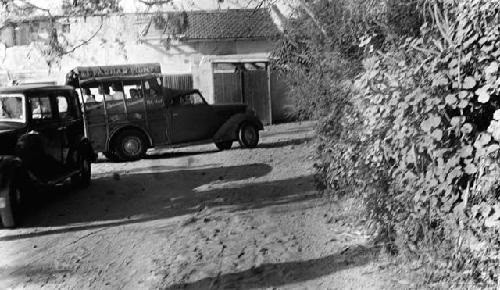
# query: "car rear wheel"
[224,145]
[248,135]
[130,145]
[10,204]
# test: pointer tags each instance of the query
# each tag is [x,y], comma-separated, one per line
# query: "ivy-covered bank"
[418,140]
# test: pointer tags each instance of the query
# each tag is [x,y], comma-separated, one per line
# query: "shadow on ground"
[165,155]
[284,143]
[279,274]
[165,193]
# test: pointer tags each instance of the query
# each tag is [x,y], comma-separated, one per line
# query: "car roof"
[93,82]
[178,92]
[21,89]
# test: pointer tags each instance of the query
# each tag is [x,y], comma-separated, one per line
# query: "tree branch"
[85,42]
[155,2]
[311,14]
[426,51]
[37,7]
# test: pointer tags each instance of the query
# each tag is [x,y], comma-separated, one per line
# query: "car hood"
[10,126]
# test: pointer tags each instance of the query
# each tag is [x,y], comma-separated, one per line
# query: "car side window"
[197,99]
[192,99]
[41,108]
[63,108]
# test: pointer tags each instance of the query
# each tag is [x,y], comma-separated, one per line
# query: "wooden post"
[84,115]
[106,119]
[146,119]
[125,102]
[269,95]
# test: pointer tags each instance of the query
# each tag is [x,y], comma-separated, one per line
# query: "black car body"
[42,144]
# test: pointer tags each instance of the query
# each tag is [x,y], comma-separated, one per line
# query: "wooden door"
[256,93]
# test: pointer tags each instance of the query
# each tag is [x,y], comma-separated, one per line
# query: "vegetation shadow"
[284,143]
[280,274]
[175,154]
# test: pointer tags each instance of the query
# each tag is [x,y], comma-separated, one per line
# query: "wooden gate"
[181,82]
[256,93]
[248,86]
[227,88]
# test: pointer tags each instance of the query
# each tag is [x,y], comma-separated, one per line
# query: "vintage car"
[128,110]
[42,145]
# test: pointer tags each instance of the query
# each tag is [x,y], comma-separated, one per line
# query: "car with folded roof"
[128,110]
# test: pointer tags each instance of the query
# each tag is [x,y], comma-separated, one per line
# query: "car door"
[191,119]
[44,120]
[70,121]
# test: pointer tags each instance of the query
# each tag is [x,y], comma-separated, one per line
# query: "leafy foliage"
[318,67]
[90,7]
[420,139]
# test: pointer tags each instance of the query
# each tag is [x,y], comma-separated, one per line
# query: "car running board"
[60,179]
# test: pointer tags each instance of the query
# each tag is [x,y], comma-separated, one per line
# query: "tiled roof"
[230,24]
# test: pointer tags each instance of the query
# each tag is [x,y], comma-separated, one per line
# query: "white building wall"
[117,42]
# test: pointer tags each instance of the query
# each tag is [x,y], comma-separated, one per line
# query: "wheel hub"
[132,146]
[249,134]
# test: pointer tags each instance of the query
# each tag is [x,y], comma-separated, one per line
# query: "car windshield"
[12,108]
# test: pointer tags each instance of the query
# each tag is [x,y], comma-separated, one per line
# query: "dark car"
[194,119]
[42,144]
[172,118]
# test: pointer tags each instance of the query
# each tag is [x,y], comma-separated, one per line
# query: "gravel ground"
[196,218]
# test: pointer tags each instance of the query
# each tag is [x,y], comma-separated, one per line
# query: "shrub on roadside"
[419,141]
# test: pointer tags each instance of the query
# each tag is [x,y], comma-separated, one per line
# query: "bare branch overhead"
[155,2]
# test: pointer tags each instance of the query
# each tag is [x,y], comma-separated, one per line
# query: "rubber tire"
[83,178]
[242,138]
[224,145]
[12,213]
[120,139]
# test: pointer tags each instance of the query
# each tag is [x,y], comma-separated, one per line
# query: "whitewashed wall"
[117,42]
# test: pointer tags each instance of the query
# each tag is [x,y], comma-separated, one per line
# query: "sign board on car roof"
[89,72]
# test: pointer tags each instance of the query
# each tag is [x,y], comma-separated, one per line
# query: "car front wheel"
[248,135]
[10,204]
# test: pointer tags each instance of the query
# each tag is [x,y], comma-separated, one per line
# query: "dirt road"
[195,218]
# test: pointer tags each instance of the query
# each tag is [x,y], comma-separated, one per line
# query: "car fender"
[229,130]
[128,126]
[9,166]
[85,148]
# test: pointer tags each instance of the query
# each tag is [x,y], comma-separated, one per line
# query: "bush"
[318,68]
[419,141]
